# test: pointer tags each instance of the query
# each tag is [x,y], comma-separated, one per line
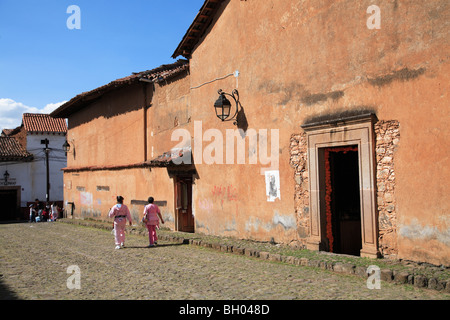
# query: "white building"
[23,165]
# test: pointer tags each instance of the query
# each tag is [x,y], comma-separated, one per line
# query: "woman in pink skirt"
[152,212]
[121,213]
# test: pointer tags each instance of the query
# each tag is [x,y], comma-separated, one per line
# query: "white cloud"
[11,112]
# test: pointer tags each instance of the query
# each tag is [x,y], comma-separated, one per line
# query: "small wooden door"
[183,204]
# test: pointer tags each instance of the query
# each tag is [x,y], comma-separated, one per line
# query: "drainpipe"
[145,121]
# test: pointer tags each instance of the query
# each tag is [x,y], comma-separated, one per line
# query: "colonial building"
[116,132]
[23,163]
[338,139]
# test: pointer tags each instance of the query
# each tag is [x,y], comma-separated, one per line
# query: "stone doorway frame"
[344,131]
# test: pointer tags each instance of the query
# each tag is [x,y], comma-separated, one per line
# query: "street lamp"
[47,150]
[66,147]
[223,105]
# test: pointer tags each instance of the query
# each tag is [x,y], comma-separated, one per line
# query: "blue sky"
[44,63]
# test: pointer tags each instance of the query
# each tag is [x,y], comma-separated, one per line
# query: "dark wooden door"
[183,204]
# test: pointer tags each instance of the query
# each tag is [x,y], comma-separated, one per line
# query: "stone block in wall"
[386,275]
[274,257]
[361,271]
[420,281]
[401,277]
[298,161]
[252,252]
[447,287]
[387,140]
[264,255]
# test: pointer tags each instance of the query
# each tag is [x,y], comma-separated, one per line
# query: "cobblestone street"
[35,259]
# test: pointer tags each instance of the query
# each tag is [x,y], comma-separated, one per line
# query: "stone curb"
[387,275]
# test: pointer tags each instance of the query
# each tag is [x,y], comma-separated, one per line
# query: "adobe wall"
[311,60]
[94,193]
[117,131]
[169,111]
[101,132]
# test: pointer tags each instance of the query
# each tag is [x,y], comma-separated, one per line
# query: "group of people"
[40,212]
[121,214]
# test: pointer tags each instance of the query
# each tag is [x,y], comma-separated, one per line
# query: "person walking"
[121,214]
[32,212]
[152,214]
[54,211]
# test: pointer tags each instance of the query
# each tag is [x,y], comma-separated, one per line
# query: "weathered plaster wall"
[169,111]
[116,130]
[94,193]
[308,59]
[109,131]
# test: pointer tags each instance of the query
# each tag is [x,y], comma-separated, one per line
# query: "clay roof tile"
[12,150]
[36,122]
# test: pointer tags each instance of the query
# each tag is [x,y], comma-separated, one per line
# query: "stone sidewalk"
[421,275]
[35,259]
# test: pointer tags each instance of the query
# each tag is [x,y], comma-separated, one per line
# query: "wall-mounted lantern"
[6,176]
[66,147]
[223,106]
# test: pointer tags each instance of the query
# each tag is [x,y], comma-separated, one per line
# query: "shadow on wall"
[112,103]
[241,120]
[340,115]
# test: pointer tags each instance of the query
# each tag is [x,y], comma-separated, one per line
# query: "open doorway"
[10,204]
[343,131]
[183,204]
[342,214]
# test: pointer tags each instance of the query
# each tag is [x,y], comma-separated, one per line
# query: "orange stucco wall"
[110,132]
[303,59]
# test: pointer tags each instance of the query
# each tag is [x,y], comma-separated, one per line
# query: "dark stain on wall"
[319,97]
[404,74]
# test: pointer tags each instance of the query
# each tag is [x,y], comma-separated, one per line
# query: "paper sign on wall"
[272,185]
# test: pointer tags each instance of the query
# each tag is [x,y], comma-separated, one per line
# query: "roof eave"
[81,100]
[198,28]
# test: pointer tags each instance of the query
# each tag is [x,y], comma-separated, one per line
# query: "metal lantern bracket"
[235,95]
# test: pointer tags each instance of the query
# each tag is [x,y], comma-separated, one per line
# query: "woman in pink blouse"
[121,213]
[152,212]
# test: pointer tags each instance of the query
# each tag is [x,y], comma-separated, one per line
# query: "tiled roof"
[37,122]
[164,72]
[157,75]
[167,158]
[10,132]
[6,132]
[11,150]
[198,28]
